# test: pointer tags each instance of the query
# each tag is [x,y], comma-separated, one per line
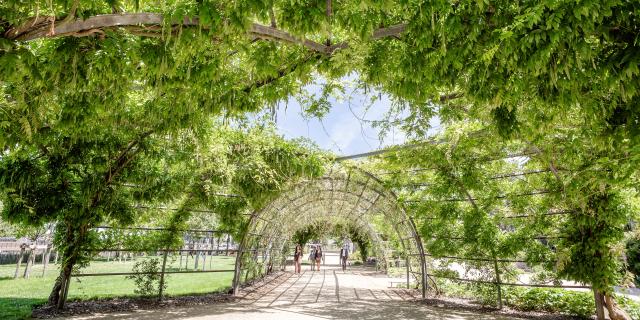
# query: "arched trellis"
[345,192]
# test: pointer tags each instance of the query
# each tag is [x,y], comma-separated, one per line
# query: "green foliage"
[633,258]
[308,233]
[147,277]
[551,300]
[242,170]
[358,236]
[7,229]
[593,261]
[576,303]
[505,119]
[562,212]
[629,305]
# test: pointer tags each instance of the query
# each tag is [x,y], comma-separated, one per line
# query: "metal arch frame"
[362,211]
[280,240]
[321,192]
[272,236]
[271,242]
[418,240]
[292,200]
[313,204]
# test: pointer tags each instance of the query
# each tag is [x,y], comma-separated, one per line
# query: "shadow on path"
[355,294]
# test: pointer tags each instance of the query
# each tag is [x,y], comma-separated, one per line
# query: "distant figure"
[318,257]
[344,256]
[312,258]
[297,258]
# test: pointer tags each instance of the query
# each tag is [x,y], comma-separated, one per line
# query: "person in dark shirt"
[344,256]
[318,256]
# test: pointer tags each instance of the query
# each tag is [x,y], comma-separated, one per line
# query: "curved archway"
[345,192]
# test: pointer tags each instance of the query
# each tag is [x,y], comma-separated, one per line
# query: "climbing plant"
[489,201]
[96,95]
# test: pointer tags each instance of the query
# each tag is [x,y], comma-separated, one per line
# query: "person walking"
[318,257]
[344,256]
[297,258]
[312,258]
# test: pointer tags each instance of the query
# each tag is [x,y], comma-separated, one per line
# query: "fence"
[497,282]
[16,254]
[203,252]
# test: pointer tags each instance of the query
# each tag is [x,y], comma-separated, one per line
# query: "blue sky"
[343,132]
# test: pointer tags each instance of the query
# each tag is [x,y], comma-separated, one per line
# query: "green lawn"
[17,297]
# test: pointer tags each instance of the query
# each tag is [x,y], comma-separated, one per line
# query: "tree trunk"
[30,259]
[45,260]
[20,256]
[228,239]
[162,272]
[204,260]
[55,260]
[60,288]
[599,299]
[75,237]
[615,312]
[497,271]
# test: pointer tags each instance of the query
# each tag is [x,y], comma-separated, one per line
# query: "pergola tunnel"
[344,194]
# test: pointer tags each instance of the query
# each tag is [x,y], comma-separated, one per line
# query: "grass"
[19,296]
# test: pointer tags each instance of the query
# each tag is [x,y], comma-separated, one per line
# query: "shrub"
[554,300]
[356,257]
[147,279]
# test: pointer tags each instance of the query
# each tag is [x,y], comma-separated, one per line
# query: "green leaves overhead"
[539,60]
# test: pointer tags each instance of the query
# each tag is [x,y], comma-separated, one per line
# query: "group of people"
[316,256]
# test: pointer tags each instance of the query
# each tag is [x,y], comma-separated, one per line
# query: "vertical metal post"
[423,260]
[239,255]
[228,238]
[407,266]
[425,280]
[164,265]
[497,271]
[238,271]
